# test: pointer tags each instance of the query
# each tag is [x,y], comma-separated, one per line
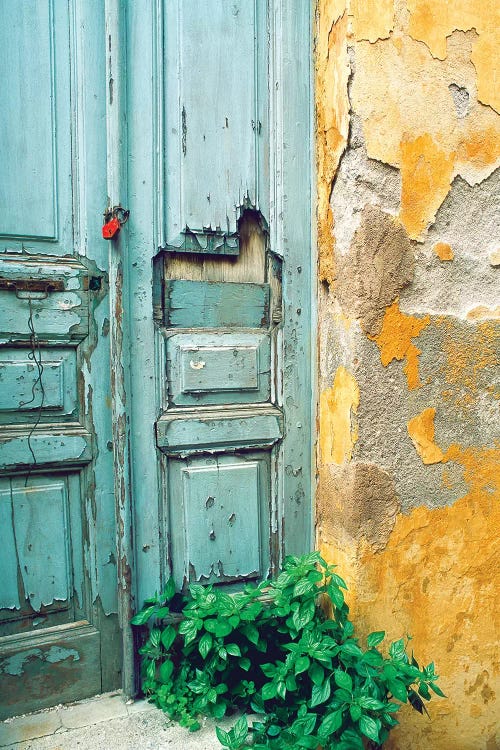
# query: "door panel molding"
[286,188]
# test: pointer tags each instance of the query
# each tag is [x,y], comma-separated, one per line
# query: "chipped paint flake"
[372,19]
[421,432]
[443,251]
[395,341]
[426,174]
[338,434]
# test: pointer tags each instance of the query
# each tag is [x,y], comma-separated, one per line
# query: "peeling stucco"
[408,226]
[395,341]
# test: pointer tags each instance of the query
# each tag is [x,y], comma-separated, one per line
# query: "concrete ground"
[106,722]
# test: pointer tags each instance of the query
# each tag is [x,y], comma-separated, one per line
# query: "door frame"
[134,50]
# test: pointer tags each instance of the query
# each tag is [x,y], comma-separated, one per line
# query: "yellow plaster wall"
[431,569]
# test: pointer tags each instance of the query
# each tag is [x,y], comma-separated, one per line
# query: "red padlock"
[111,228]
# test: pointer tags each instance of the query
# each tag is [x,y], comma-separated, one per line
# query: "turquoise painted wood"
[215,119]
[58,593]
[219,504]
[218,368]
[202,304]
[210,134]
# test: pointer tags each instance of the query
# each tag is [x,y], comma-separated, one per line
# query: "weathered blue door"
[59,637]
[189,451]
[219,278]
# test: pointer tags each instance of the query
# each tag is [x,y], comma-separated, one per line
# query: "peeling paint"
[372,19]
[410,511]
[14,665]
[332,117]
[421,431]
[395,341]
[443,251]
[337,405]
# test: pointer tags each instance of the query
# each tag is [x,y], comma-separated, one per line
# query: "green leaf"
[168,636]
[304,615]
[338,580]
[143,616]
[398,689]
[336,595]
[233,649]
[308,742]
[397,649]
[320,693]
[371,703]
[166,670]
[163,612]
[281,689]
[423,690]
[369,728]
[302,587]
[268,691]
[219,710]
[205,644]
[168,592]
[343,680]
[245,663]
[302,664]
[331,723]
[375,638]
[154,637]
[373,658]
[223,737]
[355,712]
[151,670]
[317,673]
[436,689]
[352,649]
[220,628]
[240,730]
[250,632]
[274,730]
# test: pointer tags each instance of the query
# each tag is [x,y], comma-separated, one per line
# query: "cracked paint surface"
[338,404]
[408,136]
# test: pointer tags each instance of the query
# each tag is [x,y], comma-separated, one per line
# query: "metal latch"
[31,285]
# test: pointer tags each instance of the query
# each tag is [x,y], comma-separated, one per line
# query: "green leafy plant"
[284,650]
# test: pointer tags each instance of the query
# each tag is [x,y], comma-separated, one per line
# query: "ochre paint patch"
[372,19]
[433,23]
[332,118]
[421,432]
[337,404]
[395,341]
[443,251]
[437,579]
[467,356]
[410,120]
[481,466]
[426,174]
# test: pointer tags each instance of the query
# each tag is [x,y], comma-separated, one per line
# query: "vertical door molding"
[292,237]
[120,341]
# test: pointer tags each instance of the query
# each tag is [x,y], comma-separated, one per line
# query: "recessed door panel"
[210,368]
[221,510]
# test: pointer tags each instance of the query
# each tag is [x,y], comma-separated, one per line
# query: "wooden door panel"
[57,534]
[35,140]
[220,517]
